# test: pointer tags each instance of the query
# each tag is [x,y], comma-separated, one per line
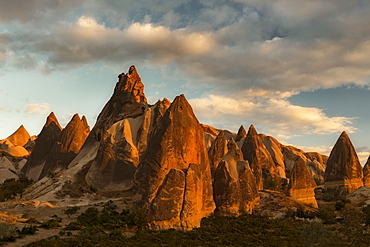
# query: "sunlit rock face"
[343,173]
[301,185]
[176,161]
[55,147]
[14,144]
[217,151]
[275,149]
[260,161]
[235,188]
[366,172]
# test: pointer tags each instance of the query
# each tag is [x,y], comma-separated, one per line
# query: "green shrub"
[51,224]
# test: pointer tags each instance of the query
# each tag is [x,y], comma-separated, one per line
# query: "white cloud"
[38,108]
[277,115]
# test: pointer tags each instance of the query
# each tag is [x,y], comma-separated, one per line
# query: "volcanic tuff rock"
[301,185]
[20,137]
[55,148]
[275,149]
[217,151]
[46,141]
[177,143]
[242,133]
[235,188]
[343,173]
[260,161]
[366,171]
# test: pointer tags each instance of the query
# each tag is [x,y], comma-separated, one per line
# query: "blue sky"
[297,70]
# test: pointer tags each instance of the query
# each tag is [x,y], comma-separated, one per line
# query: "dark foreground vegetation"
[339,224]
[13,187]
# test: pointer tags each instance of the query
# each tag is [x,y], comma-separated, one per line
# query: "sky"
[297,70]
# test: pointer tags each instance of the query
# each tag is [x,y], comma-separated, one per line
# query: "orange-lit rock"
[343,173]
[235,188]
[217,151]
[242,133]
[275,149]
[20,137]
[177,143]
[366,172]
[260,161]
[301,185]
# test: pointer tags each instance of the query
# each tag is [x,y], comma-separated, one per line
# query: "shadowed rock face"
[235,188]
[177,143]
[343,173]
[55,148]
[260,161]
[301,186]
[47,141]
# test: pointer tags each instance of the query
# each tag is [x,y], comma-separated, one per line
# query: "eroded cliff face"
[176,152]
[343,173]
[235,188]
[366,172]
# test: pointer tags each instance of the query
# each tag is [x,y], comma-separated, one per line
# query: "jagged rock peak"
[20,137]
[52,119]
[131,82]
[241,133]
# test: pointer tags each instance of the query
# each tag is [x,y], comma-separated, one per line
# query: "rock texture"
[217,151]
[176,161]
[275,149]
[45,143]
[366,172]
[235,188]
[242,133]
[260,161]
[301,185]
[55,147]
[343,173]
[20,137]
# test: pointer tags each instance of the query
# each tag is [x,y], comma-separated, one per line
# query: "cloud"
[275,115]
[38,108]
[228,47]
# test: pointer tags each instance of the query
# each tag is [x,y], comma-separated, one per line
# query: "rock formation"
[20,137]
[260,161]
[275,149]
[46,141]
[242,133]
[176,161]
[366,172]
[55,147]
[343,173]
[301,185]
[217,151]
[235,188]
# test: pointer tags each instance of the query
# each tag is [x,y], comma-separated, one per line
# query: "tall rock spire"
[343,173]
[20,137]
[176,161]
[260,161]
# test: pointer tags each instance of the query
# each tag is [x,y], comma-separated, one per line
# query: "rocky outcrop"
[217,151]
[20,137]
[275,149]
[46,142]
[235,188]
[176,161]
[343,173]
[242,133]
[55,147]
[366,172]
[301,185]
[260,161]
